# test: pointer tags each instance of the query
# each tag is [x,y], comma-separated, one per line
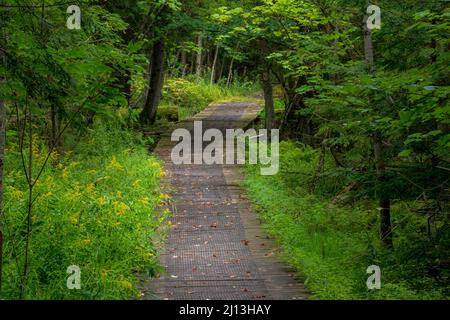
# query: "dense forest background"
[363,113]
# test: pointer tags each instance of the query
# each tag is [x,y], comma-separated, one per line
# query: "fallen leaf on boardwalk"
[245,242]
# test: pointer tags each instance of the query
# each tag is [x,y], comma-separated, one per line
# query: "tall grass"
[193,95]
[96,207]
[333,245]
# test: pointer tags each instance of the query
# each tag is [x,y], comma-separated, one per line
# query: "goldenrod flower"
[126,284]
[65,173]
[115,164]
[102,201]
[121,208]
[137,184]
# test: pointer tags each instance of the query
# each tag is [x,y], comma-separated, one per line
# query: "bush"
[333,245]
[96,208]
[192,96]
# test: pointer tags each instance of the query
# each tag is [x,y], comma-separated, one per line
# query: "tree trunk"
[198,63]
[266,79]
[183,63]
[2,153]
[148,115]
[268,99]
[208,59]
[54,127]
[222,66]
[230,73]
[214,65]
[193,58]
[384,201]
[127,86]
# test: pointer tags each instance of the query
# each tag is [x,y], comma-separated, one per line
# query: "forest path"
[216,248]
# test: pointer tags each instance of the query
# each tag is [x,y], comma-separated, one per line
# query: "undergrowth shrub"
[333,245]
[96,207]
[193,95]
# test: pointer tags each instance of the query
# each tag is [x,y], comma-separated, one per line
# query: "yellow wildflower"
[65,173]
[126,284]
[121,208]
[115,164]
[74,164]
[145,201]
[90,188]
[164,197]
[149,255]
[102,201]
[137,184]
[73,220]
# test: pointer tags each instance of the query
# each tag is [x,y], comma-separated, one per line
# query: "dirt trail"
[216,249]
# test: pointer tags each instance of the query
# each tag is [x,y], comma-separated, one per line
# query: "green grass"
[334,245]
[191,96]
[96,207]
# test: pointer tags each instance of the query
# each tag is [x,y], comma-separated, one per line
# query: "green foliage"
[332,245]
[192,96]
[96,207]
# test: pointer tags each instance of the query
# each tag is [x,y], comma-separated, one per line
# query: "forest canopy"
[363,113]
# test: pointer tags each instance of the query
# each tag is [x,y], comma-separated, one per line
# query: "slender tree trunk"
[198,63]
[54,127]
[222,66]
[368,49]
[2,154]
[230,73]
[384,201]
[148,115]
[29,174]
[268,99]
[266,79]
[214,65]
[183,63]
[208,60]
[193,58]
[127,86]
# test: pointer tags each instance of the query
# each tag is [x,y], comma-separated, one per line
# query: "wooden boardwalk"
[216,248]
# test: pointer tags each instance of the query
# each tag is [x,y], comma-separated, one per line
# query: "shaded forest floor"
[331,235]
